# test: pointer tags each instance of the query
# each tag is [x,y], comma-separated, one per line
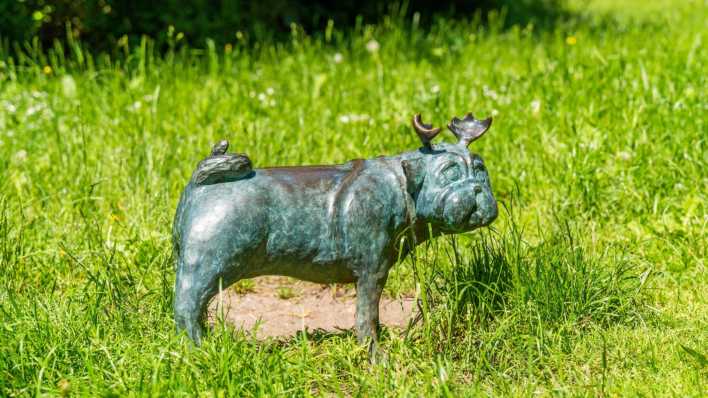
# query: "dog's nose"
[477,189]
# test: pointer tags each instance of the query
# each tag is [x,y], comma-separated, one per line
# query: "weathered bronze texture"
[327,224]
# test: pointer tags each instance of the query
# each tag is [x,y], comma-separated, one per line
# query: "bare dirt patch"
[282,307]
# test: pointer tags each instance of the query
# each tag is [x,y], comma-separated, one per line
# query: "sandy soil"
[281,307]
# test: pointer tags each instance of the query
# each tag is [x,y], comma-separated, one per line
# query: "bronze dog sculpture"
[325,224]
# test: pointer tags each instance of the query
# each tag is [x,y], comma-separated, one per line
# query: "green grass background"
[592,281]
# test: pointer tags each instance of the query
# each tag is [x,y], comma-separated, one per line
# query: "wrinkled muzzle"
[468,205]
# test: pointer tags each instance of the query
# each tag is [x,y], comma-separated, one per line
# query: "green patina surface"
[327,224]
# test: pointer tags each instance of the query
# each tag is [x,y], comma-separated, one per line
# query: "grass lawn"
[591,282]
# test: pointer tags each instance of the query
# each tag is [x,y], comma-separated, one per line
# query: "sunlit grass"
[592,282]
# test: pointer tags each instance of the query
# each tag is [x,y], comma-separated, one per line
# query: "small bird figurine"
[220,148]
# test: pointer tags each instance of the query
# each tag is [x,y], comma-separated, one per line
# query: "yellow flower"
[228,47]
[47,70]
[571,40]
[114,218]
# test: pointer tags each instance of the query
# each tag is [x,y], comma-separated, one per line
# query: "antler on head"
[426,132]
[468,129]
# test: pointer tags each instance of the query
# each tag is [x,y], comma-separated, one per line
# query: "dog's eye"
[451,173]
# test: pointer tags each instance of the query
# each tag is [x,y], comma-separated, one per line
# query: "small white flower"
[435,89]
[338,58]
[535,106]
[33,109]
[489,93]
[372,46]
[68,86]
[21,155]
[495,112]
[354,118]
[136,106]
[9,107]
[261,97]
[624,155]
[270,91]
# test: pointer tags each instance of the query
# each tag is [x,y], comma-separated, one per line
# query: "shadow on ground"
[280,307]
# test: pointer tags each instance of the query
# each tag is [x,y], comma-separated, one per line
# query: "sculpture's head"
[450,184]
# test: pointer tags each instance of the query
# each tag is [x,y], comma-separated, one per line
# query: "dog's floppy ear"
[415,174]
